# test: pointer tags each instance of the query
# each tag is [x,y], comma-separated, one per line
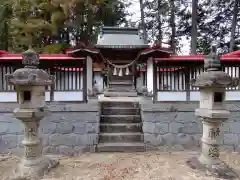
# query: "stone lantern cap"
[213,75]
[30,74]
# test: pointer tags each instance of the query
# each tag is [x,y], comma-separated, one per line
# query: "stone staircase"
[121,86]
[120,127]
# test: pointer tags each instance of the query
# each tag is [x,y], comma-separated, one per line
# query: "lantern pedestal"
[33,163]
[220,170]
[35,168]
[209,160]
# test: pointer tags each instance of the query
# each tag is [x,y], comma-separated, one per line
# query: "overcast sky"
[135,10]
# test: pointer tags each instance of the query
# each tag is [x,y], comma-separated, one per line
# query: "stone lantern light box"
[212,85]
[31,97]
[212,98]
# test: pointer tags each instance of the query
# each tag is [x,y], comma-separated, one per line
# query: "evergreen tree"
[50,25]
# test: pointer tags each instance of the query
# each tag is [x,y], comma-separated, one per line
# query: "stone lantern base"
[35,169]
[220,170]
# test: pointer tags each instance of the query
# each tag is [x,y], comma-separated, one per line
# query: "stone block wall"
[173,126]
[70,129]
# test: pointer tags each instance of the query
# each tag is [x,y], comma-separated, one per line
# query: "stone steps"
[120,104]
[111,119]
[121,78]
[120,82]
[121,89]
[121,86]
[120,94]
[121,147]
[121,137]
[120,111]
[118,128]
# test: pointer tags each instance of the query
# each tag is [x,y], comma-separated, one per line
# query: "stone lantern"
[30,83]
[212,111]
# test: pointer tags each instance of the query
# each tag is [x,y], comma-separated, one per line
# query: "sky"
[135,10]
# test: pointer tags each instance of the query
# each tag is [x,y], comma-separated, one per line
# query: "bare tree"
[143,21]
[159,22]
[234,23]
[194,27]
[173,26]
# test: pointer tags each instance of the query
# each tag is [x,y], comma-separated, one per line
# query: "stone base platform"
[220,170]
[35,169]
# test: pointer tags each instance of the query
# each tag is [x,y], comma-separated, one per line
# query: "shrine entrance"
[118,51]
[121,68]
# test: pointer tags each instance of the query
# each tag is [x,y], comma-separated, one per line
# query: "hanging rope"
[121,66]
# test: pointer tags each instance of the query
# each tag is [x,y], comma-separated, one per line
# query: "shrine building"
[119,64]
[119,95]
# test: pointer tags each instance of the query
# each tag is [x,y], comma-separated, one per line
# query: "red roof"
[96,53]
[4,55]
[197,58]
[233,56]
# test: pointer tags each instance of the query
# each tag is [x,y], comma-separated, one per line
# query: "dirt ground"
[125,166]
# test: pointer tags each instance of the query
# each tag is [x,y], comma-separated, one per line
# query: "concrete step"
[120,119]
[120,94]
[121,147]
[120,89]
[120,111]
[117,128]
[121,82]
[120,104]
[121,78]
[120,137]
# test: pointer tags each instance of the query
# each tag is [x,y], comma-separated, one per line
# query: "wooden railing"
[70,76]
[176,76]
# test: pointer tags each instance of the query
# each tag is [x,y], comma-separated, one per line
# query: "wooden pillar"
[109,72]
[89,70]
[134,79]
[154,80]
[238,68]
[85,99]
[150,74]
[187,83]
[52,87]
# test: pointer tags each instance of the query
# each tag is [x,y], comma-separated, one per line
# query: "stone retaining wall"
[73,128]
[173,125]
[70,129]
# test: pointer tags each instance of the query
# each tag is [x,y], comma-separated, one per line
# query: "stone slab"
[37,170]
[220,170]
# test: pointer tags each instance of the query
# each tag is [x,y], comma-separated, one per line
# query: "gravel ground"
[124,166]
